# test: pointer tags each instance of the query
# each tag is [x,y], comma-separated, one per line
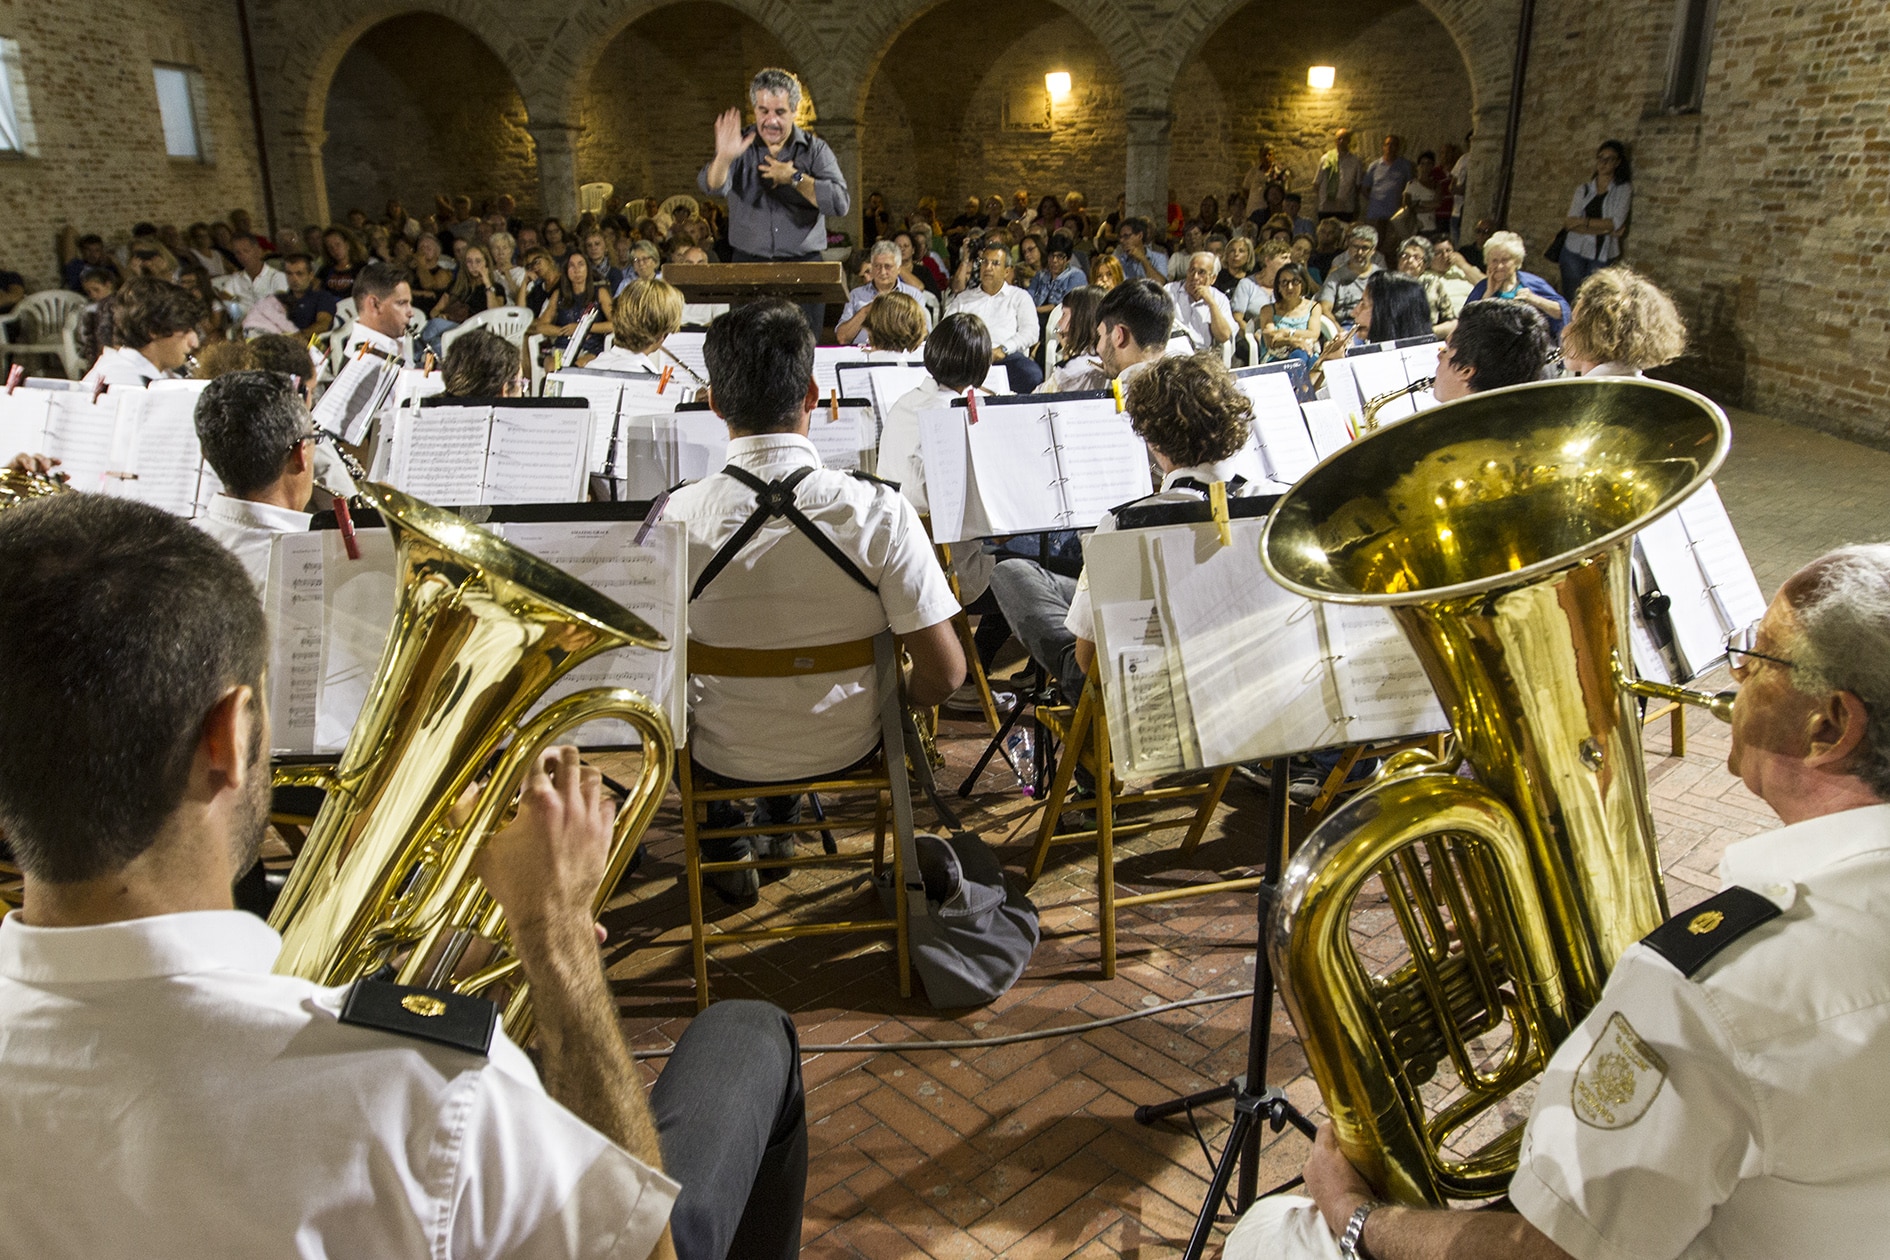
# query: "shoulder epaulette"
[858,475]
[464,1023]
[1690,939]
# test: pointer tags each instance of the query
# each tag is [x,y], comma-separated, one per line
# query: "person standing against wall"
[1597,216]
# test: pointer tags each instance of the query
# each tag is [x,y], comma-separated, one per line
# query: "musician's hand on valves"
[545,867]
[730,143]
[1333,1183]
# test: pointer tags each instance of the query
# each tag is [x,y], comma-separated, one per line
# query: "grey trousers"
[1035,601]
[732,1123]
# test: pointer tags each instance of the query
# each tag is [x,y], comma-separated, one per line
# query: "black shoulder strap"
[1234,483]
[1691,938]
[860,475]
[442,1016]
[775,498]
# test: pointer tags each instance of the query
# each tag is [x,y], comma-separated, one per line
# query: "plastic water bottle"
[1019,751]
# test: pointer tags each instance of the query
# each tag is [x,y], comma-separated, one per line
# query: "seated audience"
[250,281]
[154,328]
[646,313]
[564,308]
[1622,325]
[1414,260]
[1006,310]
[215,324]
[1494,344]
[1078,367]
[503,248]
[882,271]
[80,254]
[780,588]
[1345,283]
[1202,310]
[1502,257]
[343,256]
[1237,261]
[1292,326]
[1394,307]
[258,439]
[1137,254]
[476,288]
[1105,272]
[432,275]
[895,324]
[191,1079]
[12,290]
[1710,1103]
[303,307]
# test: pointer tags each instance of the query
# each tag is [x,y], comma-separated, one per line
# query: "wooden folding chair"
[886,780]
[1338,781]
[961,624]
[1676,714]
[1085,737]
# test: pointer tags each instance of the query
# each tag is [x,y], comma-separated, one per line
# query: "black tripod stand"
[1254,1100]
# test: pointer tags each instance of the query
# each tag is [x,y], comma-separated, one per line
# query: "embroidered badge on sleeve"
[1618,1079]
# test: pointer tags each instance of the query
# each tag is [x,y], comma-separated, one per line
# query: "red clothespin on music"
[15,375]
[662,382]
[971,404]
[833,405]
[345,521]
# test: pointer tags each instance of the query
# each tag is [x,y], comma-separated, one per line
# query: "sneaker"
[740,889]
[774,846]
[1303,788]
[968,700]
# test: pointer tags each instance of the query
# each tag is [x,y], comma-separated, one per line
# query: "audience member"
[1414,260]
[1328,244]
[882,269]
[1385,181]
[12,289]
[1422,196]
[343,256]
[215,324]
[1345,283]
[1201,310]
[1494,344]
[1622,325]
[1597,217]
[564,309]
[1105,272]
[1292,326]
[154,330]
[1503,256]
[1006,310]
[432,274]
[79,254]
[1392,308]
[1236,264]
[1340,183]
[303,307]
[1139,258]
[251,280]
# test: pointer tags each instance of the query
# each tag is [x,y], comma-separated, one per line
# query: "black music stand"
[1254,1100]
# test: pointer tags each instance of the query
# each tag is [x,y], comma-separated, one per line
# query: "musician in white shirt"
[155,323]
[1006,310]
[258,439]
[645,314]
[383,307]
[1621,325]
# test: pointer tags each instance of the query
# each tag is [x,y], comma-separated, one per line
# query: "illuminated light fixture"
[1058,83]
[1320,77]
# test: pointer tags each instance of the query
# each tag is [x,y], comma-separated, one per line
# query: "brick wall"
[418,107]
[101,164]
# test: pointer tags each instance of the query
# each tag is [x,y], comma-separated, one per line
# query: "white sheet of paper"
[1329,424]
[1251,656]
[1379,374]
[842,441]
[1698,631]
[537,455]
[23,415]
[1102,462]
[701,444]
[1340,387]
[164,452]
[1383,692]
[1722,559]
[1420,362]
[293,600]
[81,434]
[826,359]
[687,346]
[440,454]
[347,407]
[1278,427]
[947,472]
[1014,469]
[357,614]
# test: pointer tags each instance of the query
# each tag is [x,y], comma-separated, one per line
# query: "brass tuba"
[482,629]
[1496,529]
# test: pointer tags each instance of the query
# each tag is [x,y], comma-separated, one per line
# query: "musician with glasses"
[259,440]
[1730,1094]
[166,1095]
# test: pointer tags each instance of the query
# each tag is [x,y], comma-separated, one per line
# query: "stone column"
[301,184]
[843,137]
[1147,178]
[556,143]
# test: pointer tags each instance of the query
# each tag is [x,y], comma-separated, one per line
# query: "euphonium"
[18,487]
[1496,529]
[481,631]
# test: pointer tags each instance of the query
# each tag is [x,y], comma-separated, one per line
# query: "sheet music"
[536,455]
[440,454]
[1382,690]
[1329,424]
[23,414]
[161,435]
[209,486]
[1014,469]
[80,432]
[1698,631]
[844,440]
[1378,374]
[701,443]
[1101,461]
[887,385]
[1250,653]
[942,440]
[1146,672]
[647,579]
[1722,560]
[1420,362]
[293,599]
[348,406]
[827,359]
[357,613]
[1279,429]
[1340,387]
[1649,661]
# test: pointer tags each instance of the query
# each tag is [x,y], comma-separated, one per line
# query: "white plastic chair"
[1050,339]
[37,326]
[338,332]
[933,313]
[69,345]
[671,204]
[509,322]
[592,198]
[637,209]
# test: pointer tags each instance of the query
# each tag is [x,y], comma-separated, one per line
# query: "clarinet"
[610,456]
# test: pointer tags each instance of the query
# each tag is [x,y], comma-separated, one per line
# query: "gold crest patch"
[1619,1079]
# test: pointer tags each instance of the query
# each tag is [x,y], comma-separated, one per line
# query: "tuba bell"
[482,630]
[1496,530]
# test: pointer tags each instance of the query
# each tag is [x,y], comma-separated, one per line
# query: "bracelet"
[1355,1229]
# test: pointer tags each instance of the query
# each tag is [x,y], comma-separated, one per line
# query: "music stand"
[1254,1100]
[803,283]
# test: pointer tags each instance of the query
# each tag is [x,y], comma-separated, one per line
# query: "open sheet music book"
[1694,558]
[1371,370]
[1207,662]
[130,443]
[364,384]
[845,433]
[410,386]
[1280,443]
[493,450]
[616,398]
[1029,463]
[329,619]
[658,449]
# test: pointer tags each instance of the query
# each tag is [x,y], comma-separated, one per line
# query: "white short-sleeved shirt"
[901,459]
[243,290]
[121,367]
[782,591]
[163,1095]
[619,359]
[1196,317]
[247,530]
[1009,314]
[1751,1118]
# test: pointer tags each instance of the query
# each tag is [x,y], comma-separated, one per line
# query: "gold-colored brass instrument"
[482,629]
[1369,420]
[1496,529]
[18,487]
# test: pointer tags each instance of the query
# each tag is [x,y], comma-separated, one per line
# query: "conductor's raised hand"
[730,143]
[544,869]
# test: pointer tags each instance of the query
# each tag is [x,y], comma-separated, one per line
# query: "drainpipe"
[1525,30]
[256,119]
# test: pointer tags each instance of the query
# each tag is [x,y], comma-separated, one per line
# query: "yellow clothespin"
[1217,508]
[833,405]
[1115,387]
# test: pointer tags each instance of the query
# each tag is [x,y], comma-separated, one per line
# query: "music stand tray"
[802,283]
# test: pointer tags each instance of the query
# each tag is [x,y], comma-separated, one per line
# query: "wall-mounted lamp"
[1319,77]
[1058,83]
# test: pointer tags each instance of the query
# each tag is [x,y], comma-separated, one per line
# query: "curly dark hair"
[1189,408]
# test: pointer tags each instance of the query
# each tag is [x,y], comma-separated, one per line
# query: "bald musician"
[1730,1095]
[166,1095]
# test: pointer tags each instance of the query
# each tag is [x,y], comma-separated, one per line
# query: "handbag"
[1554,252]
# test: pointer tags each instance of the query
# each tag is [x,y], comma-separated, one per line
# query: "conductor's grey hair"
[1843,643]
[774,79]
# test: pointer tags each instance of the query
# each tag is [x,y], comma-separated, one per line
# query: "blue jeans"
[1035,601]
[1025,372]
[1576,269]
[436,329]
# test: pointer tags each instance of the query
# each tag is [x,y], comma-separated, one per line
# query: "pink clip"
[98,389]
[15,375]
[971,404]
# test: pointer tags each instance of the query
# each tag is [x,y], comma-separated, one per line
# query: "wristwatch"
[798,177]
[1355,1229]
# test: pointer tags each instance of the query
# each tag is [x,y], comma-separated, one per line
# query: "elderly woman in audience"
[1394,307]
[1237,262]
[1078,366]
[1503,257]
[343,256]
[1292,327]
[647,312]
[645,260]
[1414,260]
[895,322]
[1622,325]
[504,252]
[482,364]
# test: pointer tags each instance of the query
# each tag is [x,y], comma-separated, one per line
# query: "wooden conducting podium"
[803,283]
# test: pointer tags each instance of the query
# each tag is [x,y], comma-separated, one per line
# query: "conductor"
[781,191]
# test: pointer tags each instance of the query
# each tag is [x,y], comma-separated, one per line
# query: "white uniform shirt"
[859,298]
[359,333]
[242,292]
[902,459]
[1752,1120]
[1196,318]
[121,367]
[246,528]
[165,1096]
[618,359]
[782,591]
[1009,314]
